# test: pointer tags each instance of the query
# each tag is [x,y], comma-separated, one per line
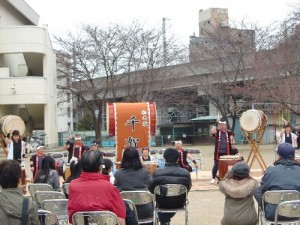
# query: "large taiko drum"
[253,120]
[226,161]
[111,118]
[150,166]
[10,123]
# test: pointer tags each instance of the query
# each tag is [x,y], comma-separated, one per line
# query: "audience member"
[132,176]
[12,200]
[170,174]
[107,169]
[238,188]
[48,174]
[284,175]
[75,169]
[146,155]
[92,191]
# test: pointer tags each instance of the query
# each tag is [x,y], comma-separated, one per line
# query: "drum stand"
[254,142]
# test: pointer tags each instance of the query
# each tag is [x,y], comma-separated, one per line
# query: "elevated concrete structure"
[27,69]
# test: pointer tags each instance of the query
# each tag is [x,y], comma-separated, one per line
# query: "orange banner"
[132,126]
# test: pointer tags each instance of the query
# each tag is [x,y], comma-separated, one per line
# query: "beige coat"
[239,204]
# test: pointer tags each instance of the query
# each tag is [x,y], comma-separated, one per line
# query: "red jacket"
[94,192]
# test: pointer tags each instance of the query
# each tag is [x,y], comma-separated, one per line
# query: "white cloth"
[294,139]
[10,154]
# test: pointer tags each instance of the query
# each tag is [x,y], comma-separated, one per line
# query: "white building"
[27,69]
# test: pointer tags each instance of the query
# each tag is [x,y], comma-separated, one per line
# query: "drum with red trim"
[226,161]
[111,117]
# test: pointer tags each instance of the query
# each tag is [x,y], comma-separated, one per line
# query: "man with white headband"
[183,155]
[75,148]
[36,160]
[223,144]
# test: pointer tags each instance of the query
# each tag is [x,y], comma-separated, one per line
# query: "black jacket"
[284,175]
[171,174]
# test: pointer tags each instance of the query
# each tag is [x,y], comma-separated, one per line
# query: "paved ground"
[205,201]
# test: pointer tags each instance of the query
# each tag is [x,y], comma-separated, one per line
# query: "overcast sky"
[62,15]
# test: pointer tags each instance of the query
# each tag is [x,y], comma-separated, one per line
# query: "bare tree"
[221,59]
[116,63]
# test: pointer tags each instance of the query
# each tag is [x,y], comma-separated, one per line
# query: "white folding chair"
[132,207]
[33,188]
[276,197]
[288,209]
[95,218]
[59,207]
[40,196]
[196,153]
[140,198]
[165,197]
[47,217]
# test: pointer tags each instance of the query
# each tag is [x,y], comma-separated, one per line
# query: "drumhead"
[250,121]
[13,123]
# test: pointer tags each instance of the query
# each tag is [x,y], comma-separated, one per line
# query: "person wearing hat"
[224,143]
[183,155]
[286,136]
[284,175]
[36,160]
[238,187]
[75,148]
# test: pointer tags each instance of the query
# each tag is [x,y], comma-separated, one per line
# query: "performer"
[16,149]
[223,144]
[182,162]
[36,160]
[17,152]
[75,149]
[145,155]
[286,136]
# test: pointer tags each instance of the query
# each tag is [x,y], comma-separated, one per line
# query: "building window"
[69,112]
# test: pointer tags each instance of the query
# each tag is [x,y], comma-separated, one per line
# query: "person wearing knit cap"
[283,175]
[224,143]
[238,187]
[286,136]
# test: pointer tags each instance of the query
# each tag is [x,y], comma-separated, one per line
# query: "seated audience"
[11,197]
[132,176]
[284,175]
[238,188]
[172,173]
[92,191]
[75,169]
[107,169]
[48,174]
[146,155]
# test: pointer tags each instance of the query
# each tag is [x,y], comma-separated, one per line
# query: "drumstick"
[285,121]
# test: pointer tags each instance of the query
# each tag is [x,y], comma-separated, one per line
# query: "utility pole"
[164,40]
